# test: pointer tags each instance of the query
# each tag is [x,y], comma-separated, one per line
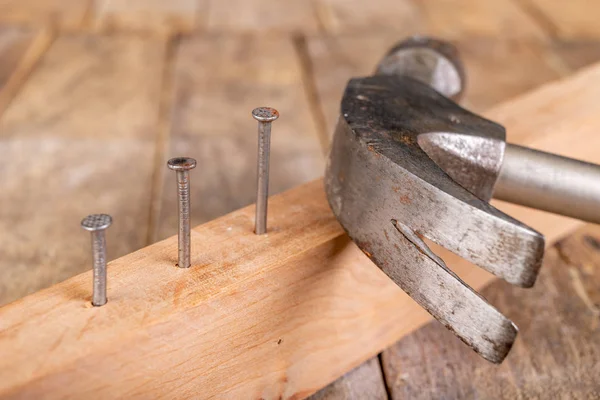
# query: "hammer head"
[387,182]
[428,60]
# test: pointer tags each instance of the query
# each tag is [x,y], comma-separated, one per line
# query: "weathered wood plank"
[261,16]
[457,19]
[358,17]
[574,19]
[20,49]
[147,15]
[77,139]
[556,355]
[218,81]
[64,14]
[13,46]
[488,18]
[363,382]
[281,314]
[499,70]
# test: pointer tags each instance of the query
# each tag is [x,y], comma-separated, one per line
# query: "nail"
[97,224]
[182,166]
[264,116]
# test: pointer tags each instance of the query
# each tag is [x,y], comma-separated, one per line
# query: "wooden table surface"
[96,95]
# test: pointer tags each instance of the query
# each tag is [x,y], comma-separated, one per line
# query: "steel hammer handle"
[550,182]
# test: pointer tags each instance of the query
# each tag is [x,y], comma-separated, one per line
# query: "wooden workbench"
[96,95]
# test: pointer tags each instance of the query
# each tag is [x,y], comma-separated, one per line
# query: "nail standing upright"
[265,116]
[183,165]
[97,225]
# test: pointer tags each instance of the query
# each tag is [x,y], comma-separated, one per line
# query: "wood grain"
[359,17]
[20,49]
[487,18]
[456,19]
[63,14]
[75,141]
[13,46]
[218,81]
[255,316]
[499,70]
[558,350]
[147,15]
[574,19]
[260,16]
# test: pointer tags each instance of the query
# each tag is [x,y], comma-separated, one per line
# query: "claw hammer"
[408,164]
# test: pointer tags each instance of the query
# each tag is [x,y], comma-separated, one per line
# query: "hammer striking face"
[386,186]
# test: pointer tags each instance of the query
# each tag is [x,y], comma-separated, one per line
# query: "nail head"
[181,163]
[96,222]
[265,114]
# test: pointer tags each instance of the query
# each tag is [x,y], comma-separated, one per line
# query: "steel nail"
[97,224]
[264,116]
[182,165]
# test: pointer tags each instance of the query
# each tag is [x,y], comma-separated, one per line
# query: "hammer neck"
[549,182]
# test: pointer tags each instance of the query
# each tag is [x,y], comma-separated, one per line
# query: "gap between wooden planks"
[269,316]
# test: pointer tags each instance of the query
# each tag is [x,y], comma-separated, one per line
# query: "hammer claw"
[442,293]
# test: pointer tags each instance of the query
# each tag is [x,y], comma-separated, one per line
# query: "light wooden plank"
[64,14]
[456,19]
[261,16]
[218,81]
[147,15]
[78,139]
[363,382]
[574,19]
[20,49]
[556,356]
[255,316]
[496,69]
[252,317]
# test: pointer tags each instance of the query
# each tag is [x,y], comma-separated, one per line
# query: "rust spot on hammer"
[372,150]
[405,199]
[407,139]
